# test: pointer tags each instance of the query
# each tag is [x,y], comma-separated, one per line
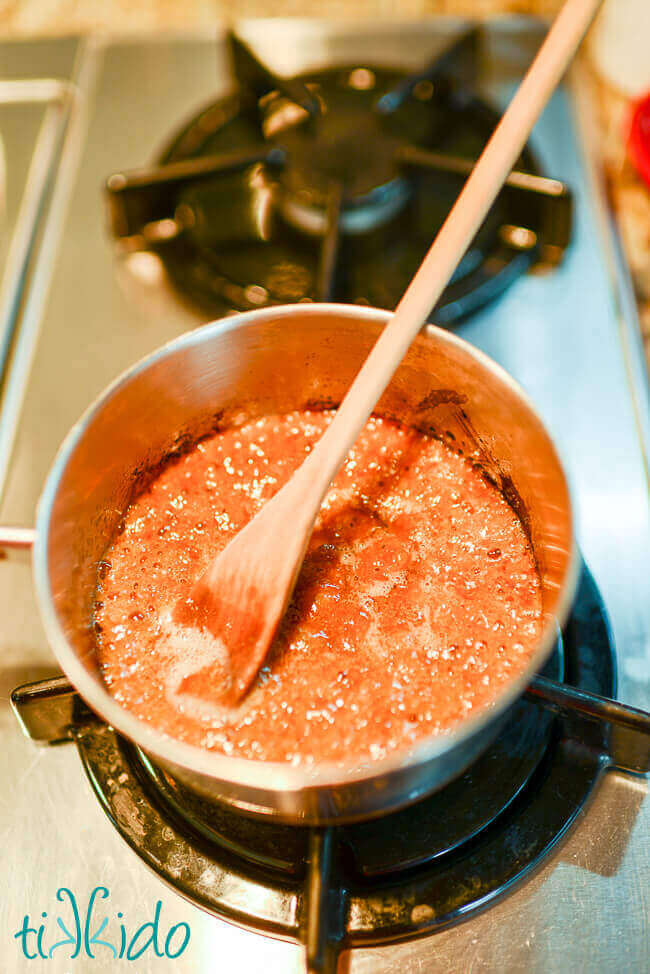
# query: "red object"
[639,138]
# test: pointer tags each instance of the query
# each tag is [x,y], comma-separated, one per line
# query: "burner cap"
[348,145]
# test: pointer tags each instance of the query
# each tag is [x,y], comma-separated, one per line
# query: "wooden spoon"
[238,602]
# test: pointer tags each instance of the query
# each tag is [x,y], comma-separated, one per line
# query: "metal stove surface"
[569,337]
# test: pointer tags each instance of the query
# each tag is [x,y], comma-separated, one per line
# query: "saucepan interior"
[270,361]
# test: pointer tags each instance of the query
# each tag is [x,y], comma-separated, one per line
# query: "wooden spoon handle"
[456,234]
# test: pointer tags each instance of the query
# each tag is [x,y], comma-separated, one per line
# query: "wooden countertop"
[629,195]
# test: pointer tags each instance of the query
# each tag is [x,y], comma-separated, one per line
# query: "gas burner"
[413,872]
[331,186]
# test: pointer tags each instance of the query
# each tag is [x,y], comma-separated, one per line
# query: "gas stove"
[540,852]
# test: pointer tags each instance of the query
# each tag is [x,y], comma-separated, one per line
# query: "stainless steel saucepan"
[281,359]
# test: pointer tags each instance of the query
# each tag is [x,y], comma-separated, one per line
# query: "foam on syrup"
[194,660]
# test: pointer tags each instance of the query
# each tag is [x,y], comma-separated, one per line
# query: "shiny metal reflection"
[281,359]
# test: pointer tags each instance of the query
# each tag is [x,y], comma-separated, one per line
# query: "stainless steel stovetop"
[77,317]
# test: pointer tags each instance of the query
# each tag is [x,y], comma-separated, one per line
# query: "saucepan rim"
[271,776]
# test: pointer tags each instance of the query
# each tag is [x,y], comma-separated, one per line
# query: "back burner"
[330,186]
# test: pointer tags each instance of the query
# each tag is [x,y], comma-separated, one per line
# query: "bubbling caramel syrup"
[417,603]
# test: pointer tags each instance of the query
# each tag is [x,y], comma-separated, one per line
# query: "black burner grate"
[331,186]
[413,872]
